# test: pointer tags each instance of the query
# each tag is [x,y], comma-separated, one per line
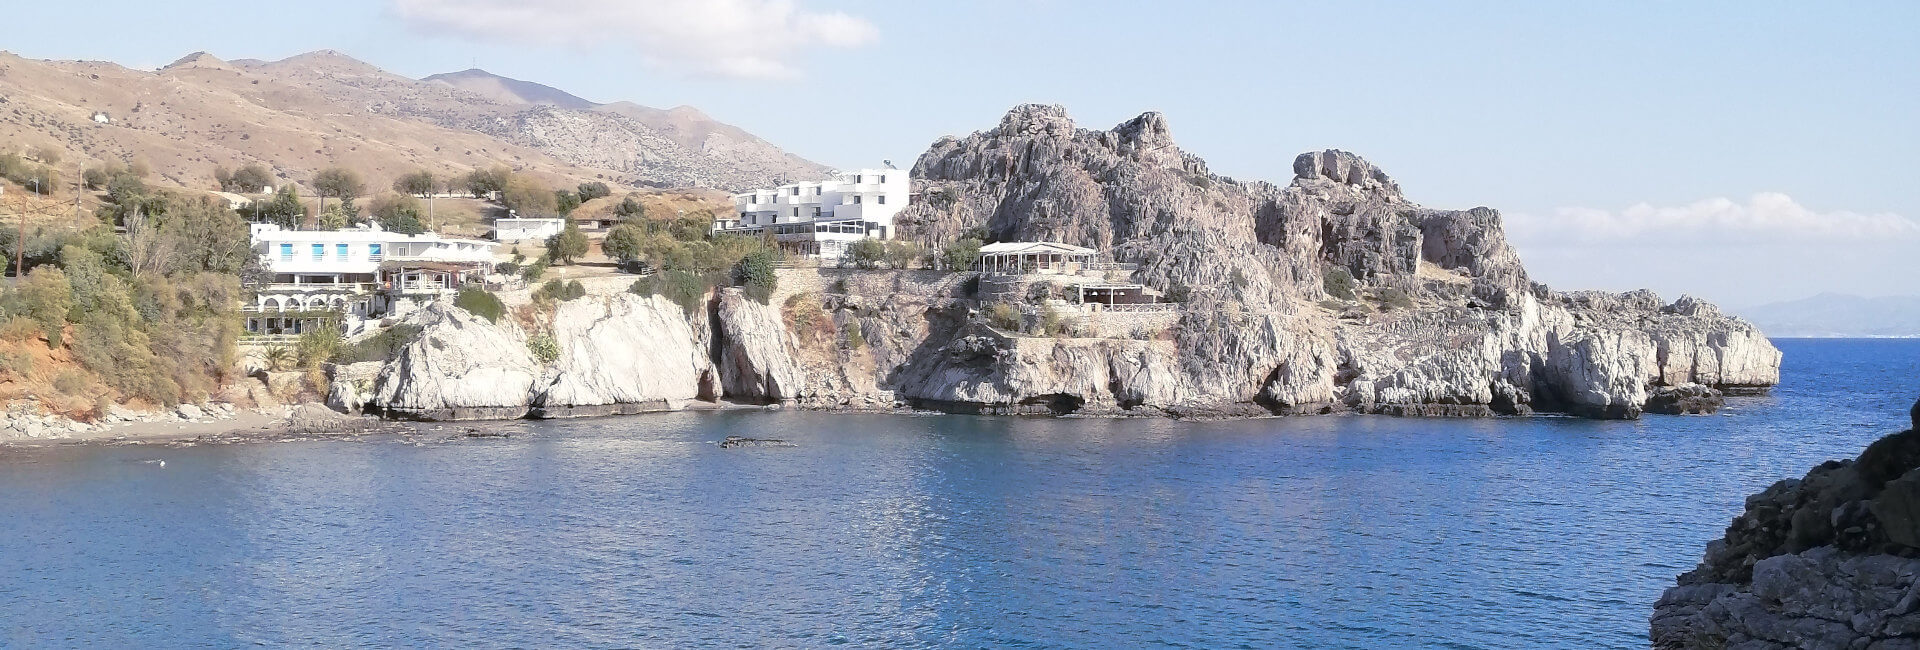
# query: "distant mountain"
[1833,315]
[510,91]
[306,112]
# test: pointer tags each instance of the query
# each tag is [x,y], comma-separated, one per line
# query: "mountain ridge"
[1839,315]
[323,108]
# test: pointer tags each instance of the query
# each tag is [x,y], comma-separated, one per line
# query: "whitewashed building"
[518,229]
[822,218]
[355,274]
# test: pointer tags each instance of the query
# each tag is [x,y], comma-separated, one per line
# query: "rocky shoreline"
[1831,560]
[1332,294]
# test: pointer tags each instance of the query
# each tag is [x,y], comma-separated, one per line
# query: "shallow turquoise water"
[916,531]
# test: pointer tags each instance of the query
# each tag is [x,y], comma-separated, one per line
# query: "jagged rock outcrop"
[625,349]
[757,354]
[1333,292]
[460,367]
[1827,561]
[1445,320]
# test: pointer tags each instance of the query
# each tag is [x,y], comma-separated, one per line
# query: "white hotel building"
[821,218]
[355,274]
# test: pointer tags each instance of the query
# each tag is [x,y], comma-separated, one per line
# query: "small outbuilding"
[518,230]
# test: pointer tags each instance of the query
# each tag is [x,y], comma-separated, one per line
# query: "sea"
[905,531]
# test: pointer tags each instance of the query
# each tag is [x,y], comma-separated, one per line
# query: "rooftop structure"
[821,218]
[1034,257]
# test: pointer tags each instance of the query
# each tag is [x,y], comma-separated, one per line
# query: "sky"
[1747,152]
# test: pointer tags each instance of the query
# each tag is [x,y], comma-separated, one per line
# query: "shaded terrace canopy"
[1018,257]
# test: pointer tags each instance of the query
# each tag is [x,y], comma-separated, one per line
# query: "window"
[882,199]
[883,178]
[857,179]
[373,252]
[341,250]
[286,252]
[754,199]
[796,213]
[319,252]
[856,199]
[816,212]
[816,191]
[796,190]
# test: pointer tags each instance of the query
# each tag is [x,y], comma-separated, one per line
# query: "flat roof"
[1023,248]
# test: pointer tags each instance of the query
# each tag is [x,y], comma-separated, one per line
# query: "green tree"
[569,245]
[285,210]
[901,253]
[565,201]
[630,209]
[203,235]
[961,255]
[593,190]
[418,183]
[867,253]
[479,182]
[398,213]
[525,195]
[337,182]
[626,243]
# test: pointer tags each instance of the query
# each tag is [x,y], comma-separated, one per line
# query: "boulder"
[1684,399]
[1826,561]
[460,367]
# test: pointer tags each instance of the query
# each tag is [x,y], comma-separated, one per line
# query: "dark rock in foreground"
[742,441]
[1827,561]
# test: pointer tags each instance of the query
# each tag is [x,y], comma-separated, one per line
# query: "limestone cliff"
[1827,561]
[1331,293]
[1441,318]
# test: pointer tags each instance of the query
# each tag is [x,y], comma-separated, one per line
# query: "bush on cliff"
[756,275]
[1338,282]
[383,346]
[1004,317]
[961,255]
[685,289]
[867,253]
[481,302]
[543,347]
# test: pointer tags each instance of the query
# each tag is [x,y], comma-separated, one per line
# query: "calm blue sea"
[904,531]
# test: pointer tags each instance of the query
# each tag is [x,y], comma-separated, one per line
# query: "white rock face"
[626,349]
[460,361]
[757,355]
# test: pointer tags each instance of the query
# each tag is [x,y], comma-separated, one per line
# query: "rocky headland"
[1831,560]
[1331,293]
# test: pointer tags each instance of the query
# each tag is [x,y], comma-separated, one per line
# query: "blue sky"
[1630,144]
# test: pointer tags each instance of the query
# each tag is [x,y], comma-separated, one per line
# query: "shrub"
[961,255]
[481,302]
[804,312]
[543,347]
[574,290]
[70,382]
[901,254]
[318,345]
[867,253]
[383,346]
[280,358]
[1395,298]
[855,338]
[507,268]
[592,190]
[627,243]
[19,328]
[756,275]
[1338,282]
[643,286]
[1004,316]
[685,289]
[532,272]
[46,297]
[19,364]
[1051,323]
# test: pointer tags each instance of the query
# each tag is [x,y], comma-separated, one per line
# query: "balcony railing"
[309,287]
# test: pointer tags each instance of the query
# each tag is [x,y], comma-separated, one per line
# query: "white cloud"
[1768,217]
[753,39]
